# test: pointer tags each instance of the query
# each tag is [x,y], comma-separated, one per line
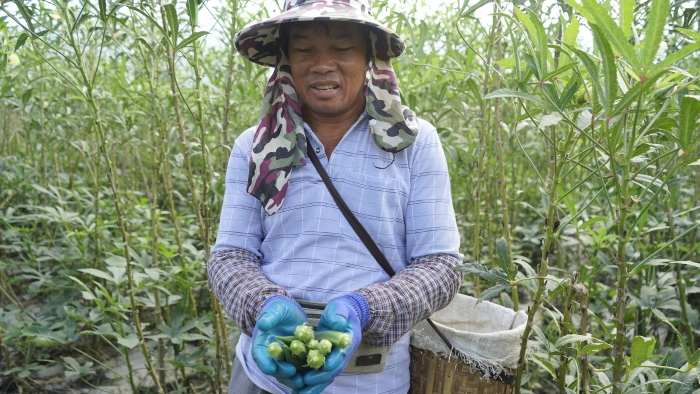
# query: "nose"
[324,62]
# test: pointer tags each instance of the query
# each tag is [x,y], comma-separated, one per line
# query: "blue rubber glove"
[348,314]
[279,316]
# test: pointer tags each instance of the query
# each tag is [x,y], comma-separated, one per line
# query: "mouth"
[325,88]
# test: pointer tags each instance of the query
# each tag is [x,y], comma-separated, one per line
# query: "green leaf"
[686,384]
[187,41]
[153,21]
[88,295]
[675,57]
[171,16]
[98,273]
[545,364]
[192,12]
[549,120]
[26,14]
[592,67]
[653,31]
[532,66]
[626,16]
[541,36]
[115,261]
[642,350]
[152,273]
[641,149]
[688,136]
[609,69]
[42,341]
[473,8]
[492,292]
[633,94]
[529,26]
[571,89]
[559,71]
[483,272]
[21,40]
[103,9]
[71,363]
[596,14]
[130,341]
[694,358]
[659,315]
[571,32]
[537,36]
[571,338]
[145,43]
[504,260]
[44,337]
[593,348]
[506,63]
[503,93]
[685,262]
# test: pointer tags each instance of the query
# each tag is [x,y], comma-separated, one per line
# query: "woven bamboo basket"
[432,374]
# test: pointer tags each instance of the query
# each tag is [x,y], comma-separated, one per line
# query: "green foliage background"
[571,131]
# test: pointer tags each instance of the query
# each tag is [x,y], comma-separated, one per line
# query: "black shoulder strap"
[360,230]
[349,216]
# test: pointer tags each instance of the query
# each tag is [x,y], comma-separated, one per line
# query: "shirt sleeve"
[429,282]
[240,285]
[240,223]
[234,267]
[429,217]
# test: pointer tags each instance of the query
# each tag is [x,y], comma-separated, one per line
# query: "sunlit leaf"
[688,126]
[594,12]
[130,341]
[642,350]
[609,69]
[653,31]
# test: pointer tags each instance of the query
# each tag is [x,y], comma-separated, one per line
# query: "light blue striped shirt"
[402,199]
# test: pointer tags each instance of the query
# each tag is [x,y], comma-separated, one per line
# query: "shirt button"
[318,150]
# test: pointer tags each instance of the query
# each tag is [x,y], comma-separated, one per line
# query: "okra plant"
[570,130]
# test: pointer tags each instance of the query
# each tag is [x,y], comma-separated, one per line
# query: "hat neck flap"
[279,143]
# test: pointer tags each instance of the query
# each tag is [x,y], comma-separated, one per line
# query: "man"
[282,237]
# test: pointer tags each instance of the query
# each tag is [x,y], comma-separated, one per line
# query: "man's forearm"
[413,294]
[241,286]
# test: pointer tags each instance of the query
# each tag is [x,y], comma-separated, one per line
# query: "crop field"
[571,131]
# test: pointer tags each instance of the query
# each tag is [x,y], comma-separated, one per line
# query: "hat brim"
[256,42]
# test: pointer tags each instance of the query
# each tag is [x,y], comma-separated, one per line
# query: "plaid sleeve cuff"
[240,285]
[428,284]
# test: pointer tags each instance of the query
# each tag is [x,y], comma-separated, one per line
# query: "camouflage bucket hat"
[279,143]
[256,42]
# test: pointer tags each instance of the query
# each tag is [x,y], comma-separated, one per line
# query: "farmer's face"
[328,68]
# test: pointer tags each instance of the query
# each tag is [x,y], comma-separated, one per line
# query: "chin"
[329,109]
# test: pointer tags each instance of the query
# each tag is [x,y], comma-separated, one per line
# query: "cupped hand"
[279,316]
[348,314]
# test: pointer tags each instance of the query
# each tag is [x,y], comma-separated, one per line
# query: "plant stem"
[203,231]
[502,172]
[92,101]
[583,302]
[222,351]
[624,203]
[564,358]
[544,265]
[481,151]
[229,74]
[680,283]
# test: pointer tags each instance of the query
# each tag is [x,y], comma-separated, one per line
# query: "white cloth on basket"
[487,335]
